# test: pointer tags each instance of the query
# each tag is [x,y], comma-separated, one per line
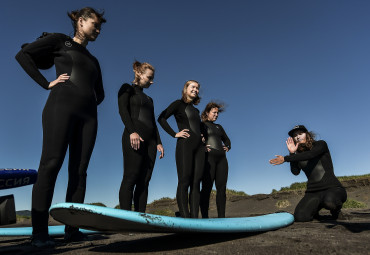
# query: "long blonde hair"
[85,13]
[140,68]
[196,100]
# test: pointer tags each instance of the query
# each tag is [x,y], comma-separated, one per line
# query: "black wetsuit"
[323,189]
[216,169]
[137,113]
[189,155]
[69,119]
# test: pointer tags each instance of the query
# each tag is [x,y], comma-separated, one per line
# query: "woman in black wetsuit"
[140,140]
[313,157]
[216,166]
[189,148]
[69,117]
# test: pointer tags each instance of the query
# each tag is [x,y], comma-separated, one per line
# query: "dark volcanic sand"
[349,235]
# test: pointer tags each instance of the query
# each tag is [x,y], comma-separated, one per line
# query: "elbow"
[295,171]
[100,99]
[160,120]
[19,56]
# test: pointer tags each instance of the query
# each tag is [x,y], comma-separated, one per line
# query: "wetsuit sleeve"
[318,148]
[158,136]
[203,130]
[26,57]
[162,119]
[99,90]
[225,139]
[156,128]
[124,95]
[294,168]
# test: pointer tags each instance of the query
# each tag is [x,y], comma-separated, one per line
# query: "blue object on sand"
[116,220]
[12,178]
[27,231]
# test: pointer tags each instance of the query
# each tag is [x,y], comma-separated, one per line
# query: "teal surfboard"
[27,231]
[115,220]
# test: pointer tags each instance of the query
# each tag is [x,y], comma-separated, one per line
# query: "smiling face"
[299,137]
[192,91]
[212,115]
[146,78]
[89,27]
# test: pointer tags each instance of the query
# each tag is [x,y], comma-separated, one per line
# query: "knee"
[142,185]
[184,182]
[82,169]
[196,184]
[302,216]
[332,203]
[50,166]
[127,182]
[206,186]
[221,188]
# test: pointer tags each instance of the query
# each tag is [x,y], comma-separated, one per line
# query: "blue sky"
[274,63]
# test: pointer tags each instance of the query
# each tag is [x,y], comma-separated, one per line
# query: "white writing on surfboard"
[8,183]
[14,169]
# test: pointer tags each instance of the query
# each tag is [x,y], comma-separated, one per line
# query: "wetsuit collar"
[137,87]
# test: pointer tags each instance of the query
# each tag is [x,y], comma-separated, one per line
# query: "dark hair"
[209,107]
[140,68]
[184,97]
[85,13]
[310,139]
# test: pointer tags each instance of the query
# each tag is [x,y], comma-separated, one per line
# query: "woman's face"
[90,27]
[213,114]
[146,78]
[192,90]
[299,136]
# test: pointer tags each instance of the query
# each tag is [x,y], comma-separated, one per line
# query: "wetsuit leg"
[133,162]
[184,164]
[221,174]
[307,207]
[333,199]
[197,177]
[142,185]
[81,145]
[56,121]
[207,183]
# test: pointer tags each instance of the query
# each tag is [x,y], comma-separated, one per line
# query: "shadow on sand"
[23,246]
[168,242]
[357,227]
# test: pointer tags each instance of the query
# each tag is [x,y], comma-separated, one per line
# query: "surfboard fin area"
[116,220]
[7,210]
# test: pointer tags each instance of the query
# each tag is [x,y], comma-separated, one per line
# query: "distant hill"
[26,213]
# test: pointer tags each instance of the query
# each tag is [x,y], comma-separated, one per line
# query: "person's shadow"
[354,227]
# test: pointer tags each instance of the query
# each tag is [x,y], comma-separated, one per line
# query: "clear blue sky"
[274,63]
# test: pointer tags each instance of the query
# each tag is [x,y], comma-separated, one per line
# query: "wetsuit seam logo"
[68,44]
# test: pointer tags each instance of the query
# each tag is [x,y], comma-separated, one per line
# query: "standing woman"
[313,157]
[216,167]
[189,147]
[140,140]
[69,117]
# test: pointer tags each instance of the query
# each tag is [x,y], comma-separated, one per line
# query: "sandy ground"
[348,235]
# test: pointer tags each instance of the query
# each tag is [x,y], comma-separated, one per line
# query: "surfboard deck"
[27,231]
[115,220]
[13,177]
